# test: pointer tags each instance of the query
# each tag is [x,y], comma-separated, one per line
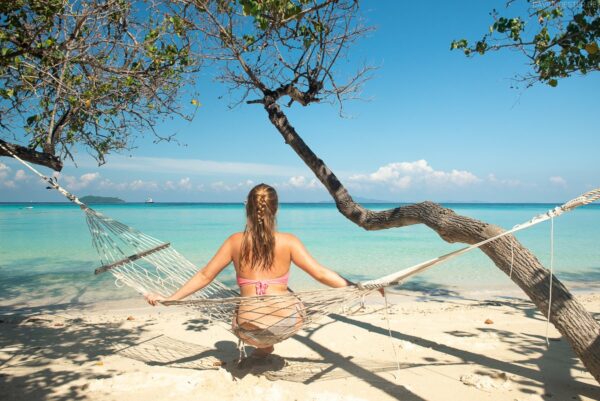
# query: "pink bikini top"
[262,285]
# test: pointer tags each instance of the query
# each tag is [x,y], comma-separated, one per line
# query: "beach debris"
[58,324]
[487,381]
[99,363]
[219,363]
[130,318]
[488,321]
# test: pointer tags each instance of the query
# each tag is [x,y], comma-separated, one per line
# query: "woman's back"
[280,268]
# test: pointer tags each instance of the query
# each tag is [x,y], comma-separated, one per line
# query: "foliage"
[90,72]
[558,37]
[281,48]
[95,72]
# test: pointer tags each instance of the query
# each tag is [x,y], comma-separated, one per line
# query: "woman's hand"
[153,299]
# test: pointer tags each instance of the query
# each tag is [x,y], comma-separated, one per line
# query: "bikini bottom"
[250,333]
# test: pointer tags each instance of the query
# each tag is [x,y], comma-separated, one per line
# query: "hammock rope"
[149,265]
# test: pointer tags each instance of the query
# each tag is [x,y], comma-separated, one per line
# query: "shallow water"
[46,251]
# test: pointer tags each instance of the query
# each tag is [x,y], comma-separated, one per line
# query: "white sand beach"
[127,350]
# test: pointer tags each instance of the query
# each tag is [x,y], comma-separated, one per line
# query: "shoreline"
[18,306]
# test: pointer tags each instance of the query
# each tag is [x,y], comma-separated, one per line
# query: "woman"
[262,258]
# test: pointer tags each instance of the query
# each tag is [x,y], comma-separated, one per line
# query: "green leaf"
[458,44]
[553,83]
[32,119]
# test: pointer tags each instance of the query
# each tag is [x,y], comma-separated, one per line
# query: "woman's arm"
[306,262]
[202,278]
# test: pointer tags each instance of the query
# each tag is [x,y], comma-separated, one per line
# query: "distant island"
[89,199]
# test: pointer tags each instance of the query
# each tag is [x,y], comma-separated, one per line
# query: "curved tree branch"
[30,155]
[569,317]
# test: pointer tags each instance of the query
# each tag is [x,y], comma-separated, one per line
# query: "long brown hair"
[258,242]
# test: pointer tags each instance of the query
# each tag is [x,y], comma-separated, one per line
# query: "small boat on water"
[149,200]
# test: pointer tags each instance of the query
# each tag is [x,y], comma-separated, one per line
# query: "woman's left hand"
[153,299]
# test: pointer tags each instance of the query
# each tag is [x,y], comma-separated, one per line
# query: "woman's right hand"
[153,299]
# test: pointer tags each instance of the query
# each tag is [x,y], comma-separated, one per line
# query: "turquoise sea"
[46,252]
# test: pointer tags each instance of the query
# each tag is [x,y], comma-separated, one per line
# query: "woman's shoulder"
[235,237]
[287,237]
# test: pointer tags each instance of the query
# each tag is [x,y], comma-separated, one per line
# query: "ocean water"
[46,252]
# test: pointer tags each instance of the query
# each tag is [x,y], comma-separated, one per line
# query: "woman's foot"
[262,352]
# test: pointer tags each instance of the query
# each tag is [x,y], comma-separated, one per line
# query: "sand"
[442,349]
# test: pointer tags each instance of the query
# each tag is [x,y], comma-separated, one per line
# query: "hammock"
[149,265]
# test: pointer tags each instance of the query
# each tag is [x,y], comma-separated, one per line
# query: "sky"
[432,124]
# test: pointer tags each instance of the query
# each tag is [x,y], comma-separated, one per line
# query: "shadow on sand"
[529,372]
[37,342]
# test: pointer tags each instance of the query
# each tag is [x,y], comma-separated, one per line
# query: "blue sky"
[435,125]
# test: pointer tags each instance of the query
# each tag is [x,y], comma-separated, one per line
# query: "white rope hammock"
[149,265]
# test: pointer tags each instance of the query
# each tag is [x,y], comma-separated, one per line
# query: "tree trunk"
[577,325]
[30,155]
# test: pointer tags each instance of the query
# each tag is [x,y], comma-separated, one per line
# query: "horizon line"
[292,202]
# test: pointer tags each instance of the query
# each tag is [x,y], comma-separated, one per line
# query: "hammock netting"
[149,265]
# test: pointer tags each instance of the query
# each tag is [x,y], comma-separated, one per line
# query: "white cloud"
[301,182]
[4,170]
[403,175]
[20,175]
[558,180]
[505,182]
[137,185]
[74,183]
[185,183]
[108,184]
[221,186]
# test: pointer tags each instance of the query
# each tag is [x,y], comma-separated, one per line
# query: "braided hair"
[258,242]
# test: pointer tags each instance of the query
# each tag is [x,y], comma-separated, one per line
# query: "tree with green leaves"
[559,38]
[89,74]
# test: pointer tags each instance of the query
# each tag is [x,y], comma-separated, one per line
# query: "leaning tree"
[277,53]
[271,53]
